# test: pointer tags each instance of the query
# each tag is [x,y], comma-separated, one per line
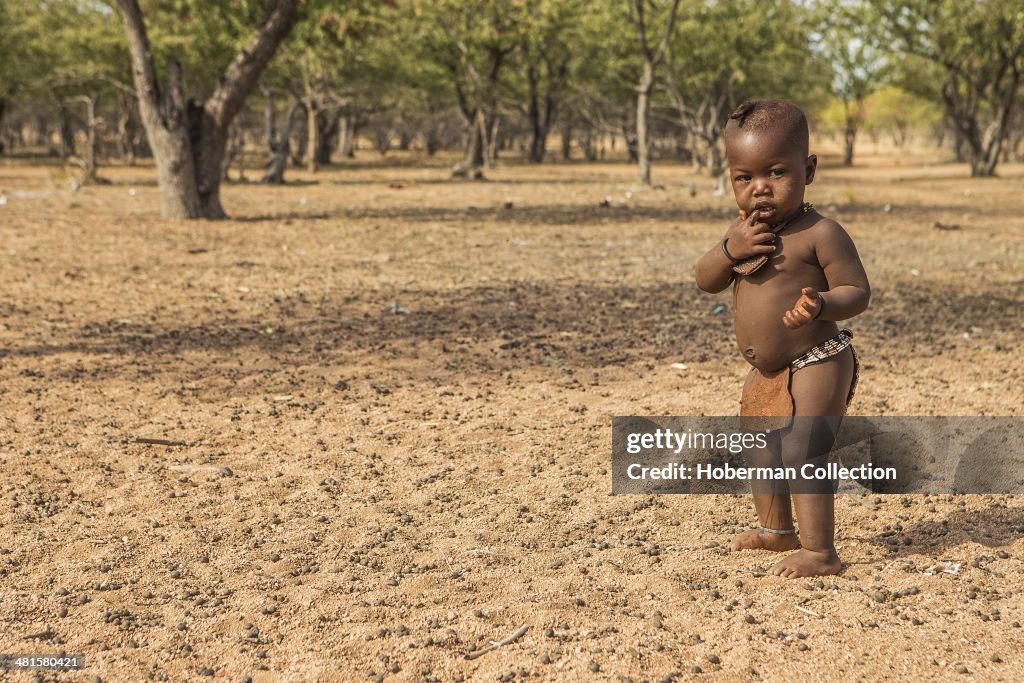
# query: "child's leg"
[818,390]
[772,504]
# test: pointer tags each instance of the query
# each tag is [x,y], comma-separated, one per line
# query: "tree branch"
[248,64]
[147,89]
[669,28]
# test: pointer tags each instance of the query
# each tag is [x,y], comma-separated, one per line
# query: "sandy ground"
[396,394]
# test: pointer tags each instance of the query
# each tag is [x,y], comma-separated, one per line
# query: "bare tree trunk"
[346,136]
[959,145]
[188,139]
[327,139]
[1015,139]
[643,108]
[472,166]
[492,141]
[405,135]
[715,159]
[298,154]
[127,130]
[382,138]
[589,148]
[269,116]
[235,150]
[983,148]
[279,147]
[652,57]
[88,163]
[66,133]
[849,137]
[629,137]
[3,131]
[539,134]
[849,133]
[312,134]
[567,141]
[432,139]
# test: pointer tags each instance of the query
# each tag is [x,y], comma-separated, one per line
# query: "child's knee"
[809,440]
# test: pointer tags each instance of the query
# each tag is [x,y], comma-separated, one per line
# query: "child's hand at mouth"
[749,236]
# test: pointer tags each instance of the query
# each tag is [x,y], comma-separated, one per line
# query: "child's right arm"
[746,237]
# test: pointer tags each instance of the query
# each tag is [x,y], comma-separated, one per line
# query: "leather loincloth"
[767,401]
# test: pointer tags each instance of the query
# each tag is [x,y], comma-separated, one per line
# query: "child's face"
[768,173]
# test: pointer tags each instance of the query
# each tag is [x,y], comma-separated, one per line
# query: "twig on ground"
[807,611]
[447,560]
[495,645]
[160,442]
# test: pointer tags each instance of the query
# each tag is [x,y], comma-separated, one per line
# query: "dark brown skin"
[811,260]
[778,313]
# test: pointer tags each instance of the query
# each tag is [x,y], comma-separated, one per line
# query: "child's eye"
[742,178]
[776,172]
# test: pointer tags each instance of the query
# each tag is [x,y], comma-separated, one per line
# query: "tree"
[550,37]
[652,56]
[600,100]
[320,63]
[25,59]
[894,111]
[473,41]
[726,52]
[188,138]
[980,47]
[846,38]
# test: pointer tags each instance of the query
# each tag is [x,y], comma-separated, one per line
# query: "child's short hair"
[776,116]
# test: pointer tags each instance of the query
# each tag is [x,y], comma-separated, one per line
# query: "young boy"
[794,274]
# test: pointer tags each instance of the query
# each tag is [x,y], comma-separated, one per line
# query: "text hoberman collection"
[727,472]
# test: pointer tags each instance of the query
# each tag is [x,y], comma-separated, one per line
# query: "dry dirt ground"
[396,395]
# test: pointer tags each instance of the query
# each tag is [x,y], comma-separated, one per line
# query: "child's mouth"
[764,211]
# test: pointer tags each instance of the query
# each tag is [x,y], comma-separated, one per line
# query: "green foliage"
[60,46]
[895,111]
[332,48]
[845,37]
[417,59]
[978,48]
[203,36]
[471,41]
[745,49]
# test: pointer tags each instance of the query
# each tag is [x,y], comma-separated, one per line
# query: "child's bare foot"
[806,562]
[752,539]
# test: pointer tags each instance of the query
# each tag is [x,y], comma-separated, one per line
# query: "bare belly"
[764,341]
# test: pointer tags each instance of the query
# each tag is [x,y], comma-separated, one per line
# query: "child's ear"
[812,166]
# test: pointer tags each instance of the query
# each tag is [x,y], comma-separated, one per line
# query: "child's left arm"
[849,291]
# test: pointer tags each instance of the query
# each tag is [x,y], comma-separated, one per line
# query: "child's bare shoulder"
[829,236]
[826,227]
